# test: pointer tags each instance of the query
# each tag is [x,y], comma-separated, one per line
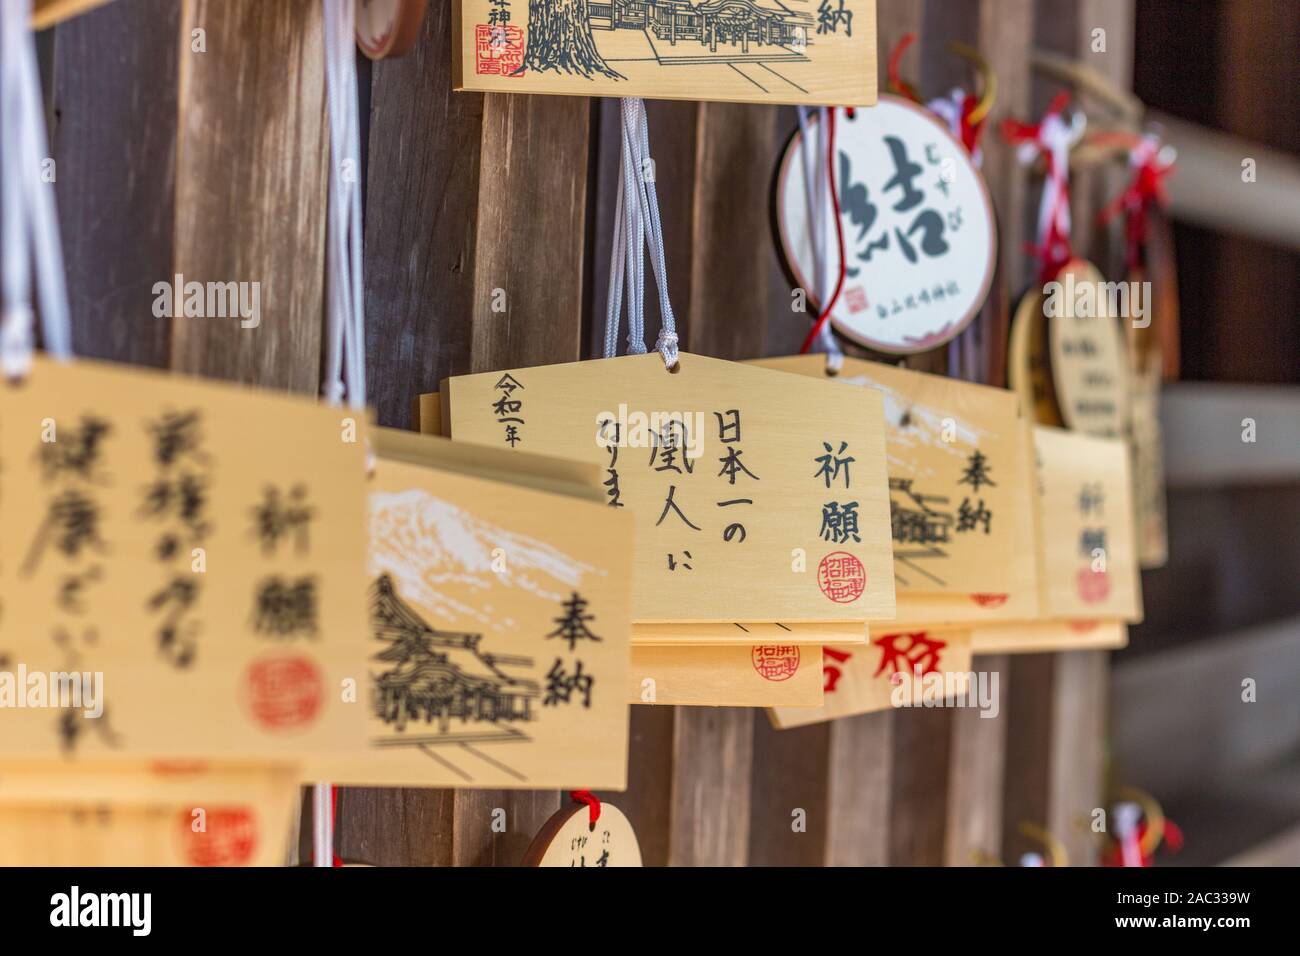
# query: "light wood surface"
[755,53]
[761,547]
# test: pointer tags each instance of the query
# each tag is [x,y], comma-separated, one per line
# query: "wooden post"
[115,78]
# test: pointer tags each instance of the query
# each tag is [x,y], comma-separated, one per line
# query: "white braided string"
[29,227]
[636,223]
[345,363]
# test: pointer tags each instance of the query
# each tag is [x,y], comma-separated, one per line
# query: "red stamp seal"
[284,693]
[842,577]
[498,50]
[855,297]
[989,600]
[228,837]
[1083,627]
[1094,586]
[775,661]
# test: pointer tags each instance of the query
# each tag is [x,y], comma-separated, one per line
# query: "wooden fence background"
[214,165]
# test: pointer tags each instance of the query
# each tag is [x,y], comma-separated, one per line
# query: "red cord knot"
[592,802]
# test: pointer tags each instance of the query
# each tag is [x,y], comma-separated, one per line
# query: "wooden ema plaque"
[1029,372]
[1089,366]
[719,664]
[959,467]
[916,667]
[758,497]
[757,675]
[1146,369]
[1089,586]
[1032,637]
[245,822]
[1068,360]
[181,566]
[1087,556]
[814,52]
[499,622]
[569,838]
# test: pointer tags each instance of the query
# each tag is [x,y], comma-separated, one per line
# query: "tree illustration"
[559,38]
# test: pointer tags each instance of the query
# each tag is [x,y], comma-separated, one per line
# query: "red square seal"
[775,662]
[498,50]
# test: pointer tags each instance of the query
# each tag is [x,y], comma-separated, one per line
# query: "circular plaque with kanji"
[920,239]
[1089,365]
[569,838]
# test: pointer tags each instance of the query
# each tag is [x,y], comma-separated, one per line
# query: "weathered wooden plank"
[1078,784]
[918,787]
[1027,705]
[857,825]
[976,763]
[732,236]
[422,198]
[532,205]
[712,755]
[788,814]
[1109,53]
[1005,32]
[394,827]
[113,138]
[251,186]
[648,800]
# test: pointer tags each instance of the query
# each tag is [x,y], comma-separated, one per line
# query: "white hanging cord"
[345,371]
[812,156]
[617,272]
[345,363]
[322,818]
[636,222]
[29,230]
[666,344]
[634,236]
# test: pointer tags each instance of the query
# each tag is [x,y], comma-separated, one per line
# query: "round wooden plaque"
[388,27]
[569,839]
[1028,370]
[920,238]
[1089,364]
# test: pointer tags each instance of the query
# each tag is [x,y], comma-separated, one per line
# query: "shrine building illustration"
[708,23]
[443,677]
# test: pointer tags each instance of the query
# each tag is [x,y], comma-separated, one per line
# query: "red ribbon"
[334,813]
[592,802]
[1055,251]
[1146,189]
[971,132]
[896,81]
